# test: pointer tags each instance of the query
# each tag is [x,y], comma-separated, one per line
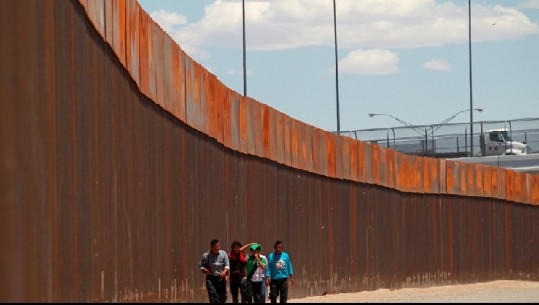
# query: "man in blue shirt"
[278,270]
[216,266]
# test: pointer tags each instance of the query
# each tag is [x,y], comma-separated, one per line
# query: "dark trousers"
[216,289]
[264,290]
[279,288]
[258,295]
[235,291]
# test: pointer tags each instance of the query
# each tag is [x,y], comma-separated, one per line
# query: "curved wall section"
[178,84]
[114,181]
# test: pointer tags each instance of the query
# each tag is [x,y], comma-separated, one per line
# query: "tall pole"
[336,67]
[471,95]
[244,53]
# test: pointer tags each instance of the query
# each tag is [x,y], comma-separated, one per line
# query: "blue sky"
[406,58]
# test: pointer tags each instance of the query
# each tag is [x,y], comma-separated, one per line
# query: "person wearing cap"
[278,272]
[215,265]
[258,261]
[237,270]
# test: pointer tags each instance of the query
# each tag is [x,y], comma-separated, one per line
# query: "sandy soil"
[490,292]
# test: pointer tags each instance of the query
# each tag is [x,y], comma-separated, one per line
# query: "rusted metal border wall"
[114,177]
[181,86]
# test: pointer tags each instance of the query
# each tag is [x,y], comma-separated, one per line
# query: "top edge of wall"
[170,78]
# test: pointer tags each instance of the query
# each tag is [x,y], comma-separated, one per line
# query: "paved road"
[524,163]
[491,292]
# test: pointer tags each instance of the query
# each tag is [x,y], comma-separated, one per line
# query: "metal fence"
[108,197]
[448,140]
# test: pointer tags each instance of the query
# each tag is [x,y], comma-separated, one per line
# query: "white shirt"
[259,274]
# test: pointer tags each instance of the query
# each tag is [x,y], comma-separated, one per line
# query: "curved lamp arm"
[389,115]
[414,128]
[439,125]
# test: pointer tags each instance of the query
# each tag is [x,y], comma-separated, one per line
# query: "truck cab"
[499,142]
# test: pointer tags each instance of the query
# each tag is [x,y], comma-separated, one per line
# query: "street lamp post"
[244,52]
[470,61]
[336,67]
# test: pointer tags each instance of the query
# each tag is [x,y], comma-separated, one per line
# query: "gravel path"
[490,292]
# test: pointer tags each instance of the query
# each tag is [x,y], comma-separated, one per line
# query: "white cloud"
[437,65]
[168,20]
[531,4]
[193,50]
[171,23]
[371,62]
[388,24]
[239,72]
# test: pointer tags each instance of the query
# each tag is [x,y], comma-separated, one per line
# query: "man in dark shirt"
[215,265]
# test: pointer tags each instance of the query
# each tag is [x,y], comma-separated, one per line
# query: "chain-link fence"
[450,140]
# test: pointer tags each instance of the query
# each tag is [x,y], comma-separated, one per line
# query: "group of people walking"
[248,273]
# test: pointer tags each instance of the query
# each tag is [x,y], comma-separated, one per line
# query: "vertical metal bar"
[336,67]
[432,136]
[244,52]
[393,130]
[470,60]
[466,139]
[482,141]
[426,142]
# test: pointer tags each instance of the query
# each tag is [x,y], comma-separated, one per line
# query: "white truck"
[499,142]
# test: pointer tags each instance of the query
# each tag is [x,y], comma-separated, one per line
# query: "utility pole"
[244,53]
[471,95]
[336,67]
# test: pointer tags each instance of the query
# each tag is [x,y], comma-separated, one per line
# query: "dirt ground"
[490,292]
